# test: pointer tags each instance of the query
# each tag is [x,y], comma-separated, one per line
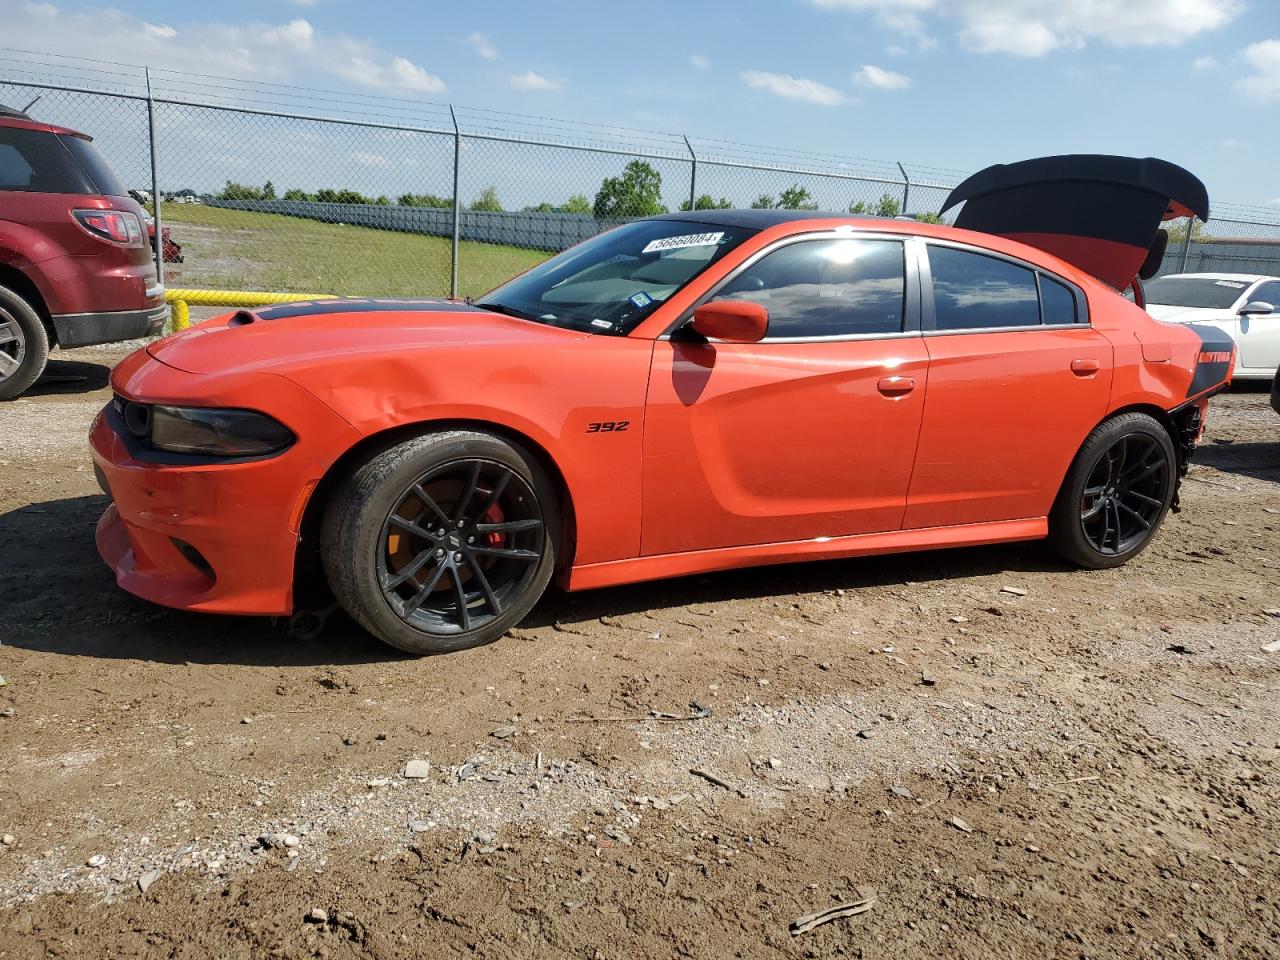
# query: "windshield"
[608,284]
[1194,292]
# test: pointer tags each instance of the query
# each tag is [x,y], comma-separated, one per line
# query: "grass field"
[242,250]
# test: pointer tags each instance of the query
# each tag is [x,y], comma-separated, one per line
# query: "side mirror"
[1256,306]
[734,321]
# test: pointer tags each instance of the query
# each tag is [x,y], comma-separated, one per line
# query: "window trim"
[928,315]
[911,294]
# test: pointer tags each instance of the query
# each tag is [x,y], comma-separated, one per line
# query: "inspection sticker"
[641,299]
[688,240]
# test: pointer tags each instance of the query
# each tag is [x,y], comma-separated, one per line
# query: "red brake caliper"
[493,515]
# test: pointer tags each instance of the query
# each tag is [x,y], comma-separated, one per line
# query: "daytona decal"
[688,240]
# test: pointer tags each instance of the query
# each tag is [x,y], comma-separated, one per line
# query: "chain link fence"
[267,187]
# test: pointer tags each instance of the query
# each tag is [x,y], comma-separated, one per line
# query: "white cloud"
[699,60]
[371,160]
[869,75]
[1204,63]
[1264,58]
[291,50]
[535,82]
[793,88]
[483,46]
[1033,28]
[905,16]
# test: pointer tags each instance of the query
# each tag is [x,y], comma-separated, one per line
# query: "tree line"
[636,192]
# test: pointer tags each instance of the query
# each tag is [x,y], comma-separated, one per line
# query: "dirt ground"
[1089,769]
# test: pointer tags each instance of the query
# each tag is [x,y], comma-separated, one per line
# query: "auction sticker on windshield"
[688,240]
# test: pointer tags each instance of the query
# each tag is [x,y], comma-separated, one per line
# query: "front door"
[1258,336]
[809,433]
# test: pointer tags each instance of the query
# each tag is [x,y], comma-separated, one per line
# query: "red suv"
[76,263]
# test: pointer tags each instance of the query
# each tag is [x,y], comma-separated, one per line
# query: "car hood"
[277,338]
[1171,314]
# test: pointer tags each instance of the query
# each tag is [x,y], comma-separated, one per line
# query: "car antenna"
[32,103]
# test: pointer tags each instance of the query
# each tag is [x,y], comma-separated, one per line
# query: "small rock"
[959,619]
[502,733]
[317,915]
[867,734]
[380,736]
[379,782]
[1032,848]
[773,763]
[484,838]
[419,826]
[617,834]
[8,839]
[902,793]
[417,769]
[290,840]
[927,679]
[95,861]
[349,741]
[1272,611]
[960,825]
[3,681]
[147,879]
[246,720]
[1016,591]
[8,712]
[466,771]
[763,682]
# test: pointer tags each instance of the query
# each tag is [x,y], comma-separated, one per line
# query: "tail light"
[114,226]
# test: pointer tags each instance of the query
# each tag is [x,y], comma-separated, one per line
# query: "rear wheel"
[1116,494]
[443,542]
[24,345]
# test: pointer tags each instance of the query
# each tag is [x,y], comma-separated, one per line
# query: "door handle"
[1085,367]
[896,386]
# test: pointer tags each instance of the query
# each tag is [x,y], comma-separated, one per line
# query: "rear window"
[972,291]
[92,163]
[32,161]
[1205,292]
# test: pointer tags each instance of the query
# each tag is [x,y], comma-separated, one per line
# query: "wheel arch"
[307,555]
[25,287]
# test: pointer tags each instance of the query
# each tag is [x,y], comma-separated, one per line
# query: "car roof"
[1248,277]
[12,117]
[761,219]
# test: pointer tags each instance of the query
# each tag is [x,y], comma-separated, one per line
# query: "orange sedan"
[685,393]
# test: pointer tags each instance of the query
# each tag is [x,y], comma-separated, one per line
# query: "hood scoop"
[1100,213]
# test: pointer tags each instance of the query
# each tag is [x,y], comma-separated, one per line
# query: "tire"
[1116,494]
[24,344]
[385,567]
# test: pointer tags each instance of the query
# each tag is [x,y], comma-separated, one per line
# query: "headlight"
[216,432]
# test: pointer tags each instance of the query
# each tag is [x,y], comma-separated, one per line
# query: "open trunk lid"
[1100,213]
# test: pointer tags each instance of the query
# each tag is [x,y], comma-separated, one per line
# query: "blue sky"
[957,84]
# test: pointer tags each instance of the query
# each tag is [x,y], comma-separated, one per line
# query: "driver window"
[826,288]
[1267,293]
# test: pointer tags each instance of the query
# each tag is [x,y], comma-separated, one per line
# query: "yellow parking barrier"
[182,300]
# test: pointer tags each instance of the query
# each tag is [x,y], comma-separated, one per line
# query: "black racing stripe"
[315,308]
[1211,370]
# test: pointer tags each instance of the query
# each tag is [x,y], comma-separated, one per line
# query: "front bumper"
[211,536]
[86,329]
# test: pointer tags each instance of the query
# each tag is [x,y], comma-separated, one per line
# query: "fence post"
[906,187]
[1186,244]
[457,222]
[155,181]
[693,173]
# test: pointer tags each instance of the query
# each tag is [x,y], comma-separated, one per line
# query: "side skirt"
[611,573]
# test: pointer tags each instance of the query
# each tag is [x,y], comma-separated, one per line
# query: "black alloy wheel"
[461,541]
[443,541]
[1125,494]
[1116,492]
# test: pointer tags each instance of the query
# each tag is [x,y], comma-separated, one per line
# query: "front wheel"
[1116,493]
[442,542]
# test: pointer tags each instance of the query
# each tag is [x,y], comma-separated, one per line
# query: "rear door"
[1258,336]
[809,433]
[1017,380]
